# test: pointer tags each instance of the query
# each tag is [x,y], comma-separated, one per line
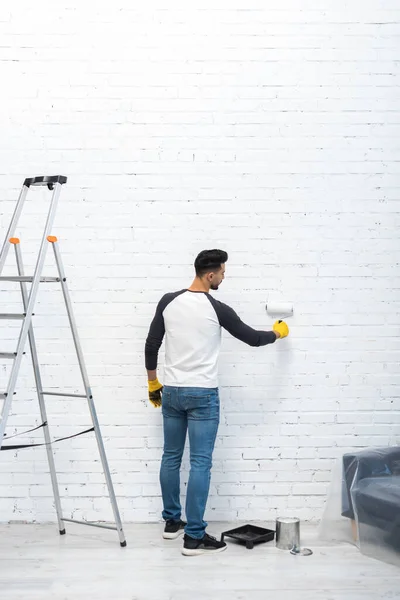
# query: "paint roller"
[279,310]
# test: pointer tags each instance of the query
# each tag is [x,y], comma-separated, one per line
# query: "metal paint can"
[287,533]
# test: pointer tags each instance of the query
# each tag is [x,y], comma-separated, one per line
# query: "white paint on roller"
[279,309]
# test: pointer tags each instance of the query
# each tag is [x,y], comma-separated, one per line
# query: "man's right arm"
[230,321]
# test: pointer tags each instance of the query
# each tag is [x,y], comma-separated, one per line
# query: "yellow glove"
[155,389]
[282,328]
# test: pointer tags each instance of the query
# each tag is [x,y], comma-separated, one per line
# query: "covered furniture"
[363,503]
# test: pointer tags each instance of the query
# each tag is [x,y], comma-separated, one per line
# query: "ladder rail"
[39,391]
[88,390]
[13,224]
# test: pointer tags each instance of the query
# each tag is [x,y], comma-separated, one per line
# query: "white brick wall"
[269,129]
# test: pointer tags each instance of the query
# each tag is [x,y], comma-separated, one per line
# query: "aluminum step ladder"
[53,183]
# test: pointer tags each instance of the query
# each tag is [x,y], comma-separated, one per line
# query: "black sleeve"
[155,335]
[230,321]
[157,331]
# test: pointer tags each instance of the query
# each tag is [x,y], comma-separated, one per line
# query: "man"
[191,321]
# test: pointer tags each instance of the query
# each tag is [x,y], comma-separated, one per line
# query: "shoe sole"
[173,536]
[198,552]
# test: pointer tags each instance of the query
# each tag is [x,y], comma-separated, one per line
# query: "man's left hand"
[155,392]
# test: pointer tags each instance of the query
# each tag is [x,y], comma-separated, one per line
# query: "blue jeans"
[195,410]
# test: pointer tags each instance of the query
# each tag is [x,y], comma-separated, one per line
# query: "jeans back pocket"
[202,404]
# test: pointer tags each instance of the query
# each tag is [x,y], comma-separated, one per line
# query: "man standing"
[191,320]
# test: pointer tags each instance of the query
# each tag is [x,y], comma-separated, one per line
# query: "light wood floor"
[36,563]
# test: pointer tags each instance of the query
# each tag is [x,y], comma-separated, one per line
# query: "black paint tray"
[249,535]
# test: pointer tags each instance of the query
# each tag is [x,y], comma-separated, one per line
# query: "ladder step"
[12,316]
[64,395]
[8,355]
[29,279]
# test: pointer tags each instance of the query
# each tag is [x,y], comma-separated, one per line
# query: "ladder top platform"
[45,180]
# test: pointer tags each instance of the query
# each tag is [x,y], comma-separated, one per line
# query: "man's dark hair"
[209,260]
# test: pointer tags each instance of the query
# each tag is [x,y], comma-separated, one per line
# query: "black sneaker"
[205,545]
[173,529]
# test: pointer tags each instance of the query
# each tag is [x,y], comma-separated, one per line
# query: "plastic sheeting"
[363,504]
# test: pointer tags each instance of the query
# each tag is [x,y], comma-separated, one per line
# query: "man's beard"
[214,286]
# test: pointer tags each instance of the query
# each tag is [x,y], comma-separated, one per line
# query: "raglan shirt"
[191,323]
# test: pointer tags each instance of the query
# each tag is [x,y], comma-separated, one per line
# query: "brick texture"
[267,129]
